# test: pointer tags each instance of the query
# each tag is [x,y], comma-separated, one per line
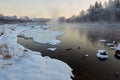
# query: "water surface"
[85,36]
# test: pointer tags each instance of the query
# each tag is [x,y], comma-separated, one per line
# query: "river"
[83,39]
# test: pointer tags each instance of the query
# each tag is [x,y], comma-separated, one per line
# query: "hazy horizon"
[44,8]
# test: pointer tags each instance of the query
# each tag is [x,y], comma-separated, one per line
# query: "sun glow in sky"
[44,8]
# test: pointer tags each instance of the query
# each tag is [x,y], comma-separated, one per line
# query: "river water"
[86,37]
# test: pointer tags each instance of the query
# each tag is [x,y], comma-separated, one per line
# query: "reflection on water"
[85,36]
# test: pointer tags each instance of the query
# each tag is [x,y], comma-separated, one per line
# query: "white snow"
[34,67]
[86,55]
[118,48]
[102,40]
[111,44]
[45,27]
[113,47]
[51,49]
[26,64]
[99,55]
[43,36]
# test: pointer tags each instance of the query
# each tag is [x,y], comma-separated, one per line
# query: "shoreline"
[33,60]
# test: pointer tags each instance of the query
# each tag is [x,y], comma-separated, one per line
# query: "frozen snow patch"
[86,55]
[102,40]
[51,49]
[118,48]
[54,42]
[102,54]
[110,44]
[43,36]
[113,47]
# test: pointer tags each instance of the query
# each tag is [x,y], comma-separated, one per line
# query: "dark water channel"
[85,36]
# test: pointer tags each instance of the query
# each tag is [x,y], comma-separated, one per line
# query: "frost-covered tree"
[109,12]
[95,12]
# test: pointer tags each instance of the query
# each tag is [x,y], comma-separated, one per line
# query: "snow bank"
[51,49]
[101,55]
[34,67]
[26,64]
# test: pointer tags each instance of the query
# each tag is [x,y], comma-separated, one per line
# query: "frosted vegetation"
[22,19]
[107,12]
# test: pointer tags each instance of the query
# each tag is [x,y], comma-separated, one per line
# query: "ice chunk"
[102,54]
[118,48]
[54,42]
[86,55]
[51,49]
[113,47]
[110,44]
[117,51]
[102,40]
[113,43]
[43,36]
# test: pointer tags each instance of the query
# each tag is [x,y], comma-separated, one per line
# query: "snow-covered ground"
[26,64]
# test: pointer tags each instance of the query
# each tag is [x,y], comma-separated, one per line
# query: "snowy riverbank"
[26,64]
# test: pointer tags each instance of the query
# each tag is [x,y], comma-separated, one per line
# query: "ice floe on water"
[51,49]
[117,51]
[102,54]
[118,48]
[86,55]
[26,64]
[102,40]
[111,44]
[113,47]
[43,36]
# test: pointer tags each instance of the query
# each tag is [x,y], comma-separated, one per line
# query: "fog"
[44,8]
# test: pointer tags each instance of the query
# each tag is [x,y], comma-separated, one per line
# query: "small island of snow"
[51,49]
[102,54]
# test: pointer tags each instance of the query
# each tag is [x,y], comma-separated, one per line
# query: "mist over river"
[83,39]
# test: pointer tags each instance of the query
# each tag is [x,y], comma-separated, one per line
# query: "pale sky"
[44,8]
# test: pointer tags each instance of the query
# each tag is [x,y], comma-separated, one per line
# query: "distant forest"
[108,12]
[23,19]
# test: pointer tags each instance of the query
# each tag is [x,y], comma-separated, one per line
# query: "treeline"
[108,12]
[23,19]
